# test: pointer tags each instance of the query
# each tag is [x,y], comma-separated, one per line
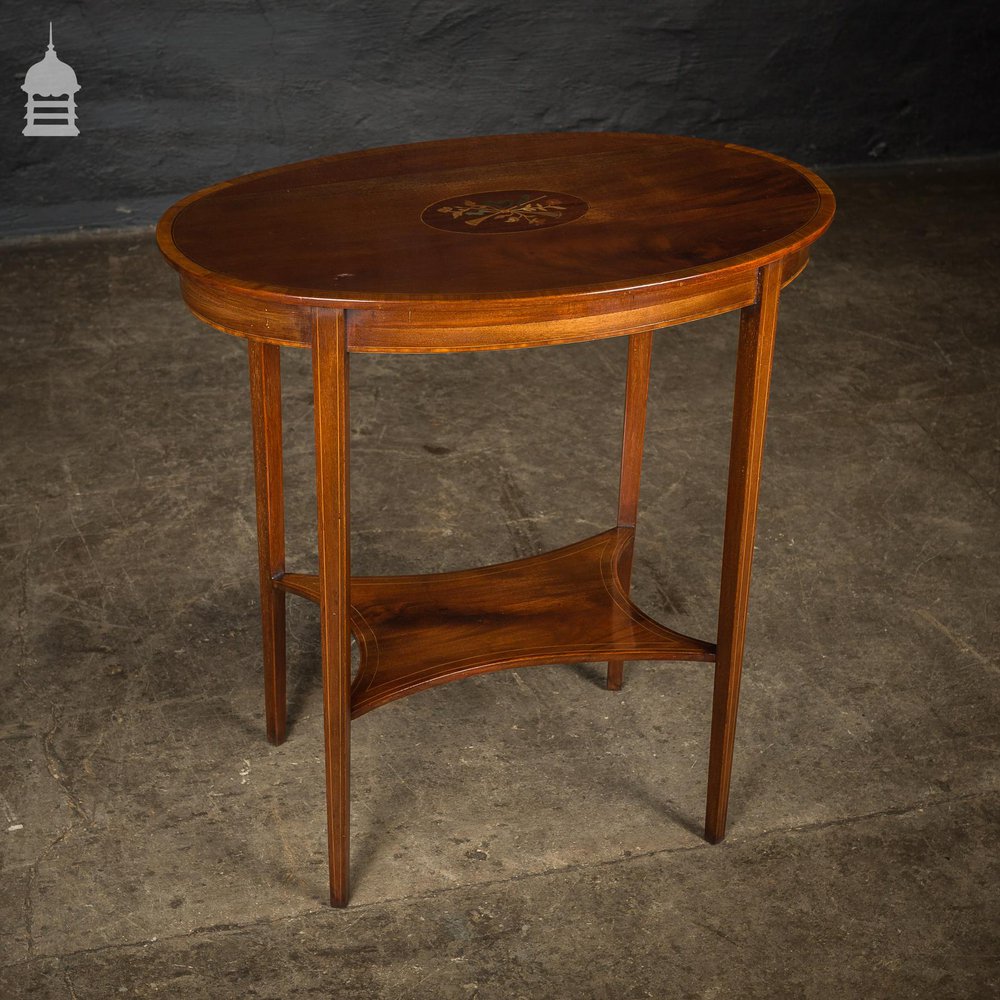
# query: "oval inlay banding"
[503,211]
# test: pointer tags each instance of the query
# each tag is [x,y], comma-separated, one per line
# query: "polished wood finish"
[433,327]
[265,405]
[640,350]
[332,423]
[492,243]
[569,605]
[674,231]
[347,229]
[753,379]
[474,326]
[263,320]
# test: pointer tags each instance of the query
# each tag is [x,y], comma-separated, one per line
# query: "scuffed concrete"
[859,909]
[526,833]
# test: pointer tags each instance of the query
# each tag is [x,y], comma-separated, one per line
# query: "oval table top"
[524,216]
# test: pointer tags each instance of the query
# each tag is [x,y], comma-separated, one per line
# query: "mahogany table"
[481,244]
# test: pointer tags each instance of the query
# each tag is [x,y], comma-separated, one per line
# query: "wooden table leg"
[265,406]
[640,349]
[753,377]
[331,413]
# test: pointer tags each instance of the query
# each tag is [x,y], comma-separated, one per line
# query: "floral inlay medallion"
[503,211]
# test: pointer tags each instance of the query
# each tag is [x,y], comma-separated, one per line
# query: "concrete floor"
[524,834]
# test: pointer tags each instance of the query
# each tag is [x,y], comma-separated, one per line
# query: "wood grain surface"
[347,229]
[569,605]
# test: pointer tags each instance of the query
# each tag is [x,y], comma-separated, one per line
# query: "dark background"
[177,95]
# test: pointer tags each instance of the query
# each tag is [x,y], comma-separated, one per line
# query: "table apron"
[429,328]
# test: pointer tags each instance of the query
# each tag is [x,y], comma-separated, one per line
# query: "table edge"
[670,283]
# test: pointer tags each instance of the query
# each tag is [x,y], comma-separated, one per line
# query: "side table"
[489,243]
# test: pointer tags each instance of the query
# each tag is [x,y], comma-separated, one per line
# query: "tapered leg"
[640,349]
[753,377]
[265,405]
[331,413]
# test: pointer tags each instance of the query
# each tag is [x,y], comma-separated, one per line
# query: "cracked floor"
[527,833]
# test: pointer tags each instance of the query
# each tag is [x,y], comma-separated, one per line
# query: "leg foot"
[616,674]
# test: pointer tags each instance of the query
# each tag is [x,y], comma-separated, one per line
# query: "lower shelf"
[565,606]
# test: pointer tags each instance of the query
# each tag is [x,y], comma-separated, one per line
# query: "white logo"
[50,86]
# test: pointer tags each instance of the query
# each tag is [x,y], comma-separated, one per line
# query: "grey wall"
[180,94]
